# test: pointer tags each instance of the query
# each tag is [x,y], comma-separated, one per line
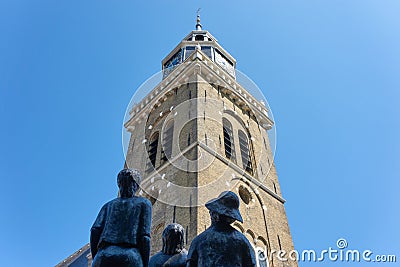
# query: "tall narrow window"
[228,140]
[245,152]
[153,149]
[167,141]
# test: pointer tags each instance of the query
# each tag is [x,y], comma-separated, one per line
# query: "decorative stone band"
[152,177]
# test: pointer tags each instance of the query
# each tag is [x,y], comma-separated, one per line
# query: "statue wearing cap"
[222,245]
[120,236]
[173,253]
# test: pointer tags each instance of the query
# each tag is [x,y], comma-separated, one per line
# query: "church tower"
[198,133]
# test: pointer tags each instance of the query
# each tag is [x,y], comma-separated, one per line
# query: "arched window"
[228,140]
[168,135]
[245,152]
[152,151]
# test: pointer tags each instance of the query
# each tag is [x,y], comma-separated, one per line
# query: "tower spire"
[198,24]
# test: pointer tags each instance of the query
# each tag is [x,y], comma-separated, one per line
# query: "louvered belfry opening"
[153,149]
[245,152]
[228,140]
[168,136]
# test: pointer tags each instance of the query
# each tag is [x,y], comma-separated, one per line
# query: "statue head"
[173,239]
[128,181]
[225,208]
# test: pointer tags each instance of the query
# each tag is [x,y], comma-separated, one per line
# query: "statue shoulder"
[242,237]
[110,202]
[176,260]
[143,201]
[201,237]
[155,259]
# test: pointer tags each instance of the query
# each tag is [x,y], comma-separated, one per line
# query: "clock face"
[224,63]
[175,60]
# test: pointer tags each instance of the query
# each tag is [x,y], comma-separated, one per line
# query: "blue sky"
[329,69]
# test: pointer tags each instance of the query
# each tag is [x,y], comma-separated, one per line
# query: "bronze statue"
[173,253]
[222,245]
[120,236]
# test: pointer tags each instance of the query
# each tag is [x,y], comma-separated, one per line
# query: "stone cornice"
[198,63]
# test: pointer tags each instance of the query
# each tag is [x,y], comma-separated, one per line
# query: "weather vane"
[198,25]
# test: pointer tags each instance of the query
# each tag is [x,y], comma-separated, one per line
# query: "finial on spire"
[198,24]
